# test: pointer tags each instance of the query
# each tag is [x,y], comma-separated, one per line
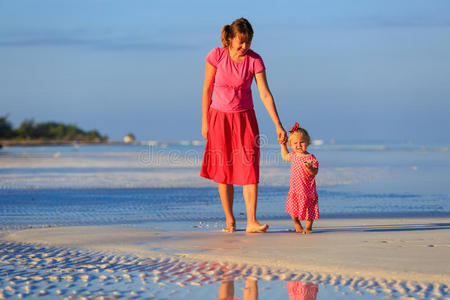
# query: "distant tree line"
[30,130]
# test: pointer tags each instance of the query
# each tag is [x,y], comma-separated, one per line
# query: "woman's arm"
[285,153]
[208,86]
[269,103]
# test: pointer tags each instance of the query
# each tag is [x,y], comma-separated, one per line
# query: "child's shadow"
[374,228]
[385,228]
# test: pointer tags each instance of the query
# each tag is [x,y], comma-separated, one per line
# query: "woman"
[229,123]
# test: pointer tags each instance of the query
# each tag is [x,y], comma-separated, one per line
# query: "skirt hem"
[234,183]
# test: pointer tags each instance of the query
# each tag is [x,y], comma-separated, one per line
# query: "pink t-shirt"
[232,84]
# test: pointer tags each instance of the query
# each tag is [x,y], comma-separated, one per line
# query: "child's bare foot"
[298,228]
[298,225]
[256,227]
[308,227]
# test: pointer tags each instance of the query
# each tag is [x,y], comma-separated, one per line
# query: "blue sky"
[348,70]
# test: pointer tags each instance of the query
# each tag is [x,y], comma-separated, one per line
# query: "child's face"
[299,144]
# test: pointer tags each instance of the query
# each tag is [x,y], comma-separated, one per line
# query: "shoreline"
[33,143]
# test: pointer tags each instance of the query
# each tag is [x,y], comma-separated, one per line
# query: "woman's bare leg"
[226,290]
[250,192]
[251,290]
[226,192]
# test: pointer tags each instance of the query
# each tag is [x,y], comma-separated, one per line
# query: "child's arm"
[313,171]
[285,152]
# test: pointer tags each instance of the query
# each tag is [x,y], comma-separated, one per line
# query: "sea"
[157,186]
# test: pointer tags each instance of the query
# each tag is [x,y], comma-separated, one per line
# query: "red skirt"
[232,148]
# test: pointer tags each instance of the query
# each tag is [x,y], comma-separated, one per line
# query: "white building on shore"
[129,139]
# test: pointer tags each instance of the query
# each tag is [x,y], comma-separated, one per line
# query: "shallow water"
[114,185]
[172,209]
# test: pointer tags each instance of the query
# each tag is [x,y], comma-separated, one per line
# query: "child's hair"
[239,26]
[297,130]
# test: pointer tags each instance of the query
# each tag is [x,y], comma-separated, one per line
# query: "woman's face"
[240,45]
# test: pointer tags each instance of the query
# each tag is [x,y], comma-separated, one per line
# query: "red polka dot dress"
[299,291]
[302,201]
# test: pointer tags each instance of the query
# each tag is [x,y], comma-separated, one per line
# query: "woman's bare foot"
[307,231]
[256,227]
[231,227]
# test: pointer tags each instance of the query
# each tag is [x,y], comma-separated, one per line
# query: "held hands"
[281,135]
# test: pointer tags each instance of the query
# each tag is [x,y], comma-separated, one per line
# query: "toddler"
[302,201]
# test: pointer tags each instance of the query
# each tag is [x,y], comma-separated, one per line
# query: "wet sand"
[388,256]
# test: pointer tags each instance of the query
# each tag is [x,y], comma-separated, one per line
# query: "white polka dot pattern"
[302,200]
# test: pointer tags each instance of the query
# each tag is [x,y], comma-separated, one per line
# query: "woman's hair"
[240,26]
[301,132]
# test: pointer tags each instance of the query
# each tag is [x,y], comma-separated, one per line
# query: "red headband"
[295,127]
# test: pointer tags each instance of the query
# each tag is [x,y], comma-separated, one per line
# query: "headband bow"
[295,127]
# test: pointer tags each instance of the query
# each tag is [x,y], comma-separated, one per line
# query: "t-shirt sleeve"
[212,57]
[258,65]
[315,163]
[291,155]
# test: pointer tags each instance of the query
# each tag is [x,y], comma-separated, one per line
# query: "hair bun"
[225,35]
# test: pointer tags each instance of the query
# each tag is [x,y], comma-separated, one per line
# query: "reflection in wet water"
[28,270]
[226,290]
[297,290]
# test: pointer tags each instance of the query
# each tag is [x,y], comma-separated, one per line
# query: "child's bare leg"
[308,226]
[298,225]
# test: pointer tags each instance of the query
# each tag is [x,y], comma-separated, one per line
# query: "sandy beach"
[407,257]
[106,224]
